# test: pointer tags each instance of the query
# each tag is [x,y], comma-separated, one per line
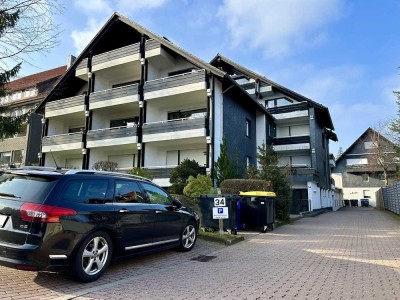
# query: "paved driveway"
[350,254]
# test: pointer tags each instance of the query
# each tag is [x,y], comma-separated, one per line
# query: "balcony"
[368,168]
[157,55]
[116,57]
[82,69]
[299,110]
[115,96]
[291,143]
[111,137]
[175,85]
[304,174]
[62,142]
[65,106]
[174,129]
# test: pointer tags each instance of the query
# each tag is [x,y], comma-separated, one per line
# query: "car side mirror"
[177,203]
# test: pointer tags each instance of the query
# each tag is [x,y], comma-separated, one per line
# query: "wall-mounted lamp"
[87,113]
[84,151]
[39,155]
[141,104]
[139,146]
[43,120]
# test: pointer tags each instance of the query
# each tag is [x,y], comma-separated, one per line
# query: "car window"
[127,192]
[83,190]
[156,195]
[26,187]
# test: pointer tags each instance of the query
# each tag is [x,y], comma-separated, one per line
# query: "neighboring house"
[367,165]
[24,95]
[135,98]
[300,136]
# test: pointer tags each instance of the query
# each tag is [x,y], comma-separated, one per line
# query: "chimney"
[70,61]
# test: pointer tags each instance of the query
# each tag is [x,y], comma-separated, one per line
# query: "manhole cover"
[204,258]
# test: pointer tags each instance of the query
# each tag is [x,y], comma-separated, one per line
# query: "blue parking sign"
[220,213]
[220,210]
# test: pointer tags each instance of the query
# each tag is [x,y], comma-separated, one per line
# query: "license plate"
[3,220]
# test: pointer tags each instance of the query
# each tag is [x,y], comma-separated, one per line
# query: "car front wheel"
[93,257]
[189,237]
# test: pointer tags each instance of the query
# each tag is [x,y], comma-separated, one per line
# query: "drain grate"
[203,258]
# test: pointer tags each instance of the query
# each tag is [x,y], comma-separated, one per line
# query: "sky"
[343,54]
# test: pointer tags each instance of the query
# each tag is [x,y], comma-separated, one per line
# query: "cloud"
[94,6]
[81,38]
[279,27]
[129,6]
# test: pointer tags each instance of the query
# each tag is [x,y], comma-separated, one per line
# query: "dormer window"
[30,93]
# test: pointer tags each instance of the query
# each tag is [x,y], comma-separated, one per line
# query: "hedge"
[235,186]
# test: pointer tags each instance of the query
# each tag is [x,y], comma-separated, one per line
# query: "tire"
[188,237]
[93,257]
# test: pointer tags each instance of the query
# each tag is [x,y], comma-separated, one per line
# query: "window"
[248,128]
[128,192]
[323,140]
[5,157]
[248,159]
[85,190]
[192,114]
[123,160]
[129,122]
[17,156]
[156,195]
[365,177]
[357,161]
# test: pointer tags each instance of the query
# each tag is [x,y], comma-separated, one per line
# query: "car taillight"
[33,212]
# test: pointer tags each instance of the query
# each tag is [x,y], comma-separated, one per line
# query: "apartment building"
[300,135]
[135,98]
[24,95]
[369,164]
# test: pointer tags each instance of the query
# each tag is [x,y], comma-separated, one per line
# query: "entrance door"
[299,201]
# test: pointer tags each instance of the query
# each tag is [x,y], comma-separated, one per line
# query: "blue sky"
[342,54]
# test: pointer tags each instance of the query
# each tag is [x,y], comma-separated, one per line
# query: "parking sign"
[220,213]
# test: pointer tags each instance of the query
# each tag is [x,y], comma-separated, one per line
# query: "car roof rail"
[88,172]
[38,168]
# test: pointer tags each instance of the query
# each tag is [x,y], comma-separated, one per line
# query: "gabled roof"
[361,137]
[220,58]
[163,41]
[34,79]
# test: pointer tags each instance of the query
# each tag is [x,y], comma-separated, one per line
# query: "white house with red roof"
[24,95]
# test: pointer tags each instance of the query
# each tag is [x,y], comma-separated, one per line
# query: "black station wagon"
[79,220]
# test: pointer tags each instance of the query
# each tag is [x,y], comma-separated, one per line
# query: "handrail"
[173,76]
[63,134]
[113,89]
[173,120]
[114,128]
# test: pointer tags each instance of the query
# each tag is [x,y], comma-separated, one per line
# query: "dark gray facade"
[239,143]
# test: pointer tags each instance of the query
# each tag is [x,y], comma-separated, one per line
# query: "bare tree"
[383,150]
[26,27]
[31,30]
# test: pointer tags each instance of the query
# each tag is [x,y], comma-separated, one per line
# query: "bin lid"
[258,194]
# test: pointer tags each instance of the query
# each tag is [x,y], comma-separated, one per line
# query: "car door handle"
[123,210]
[158,211]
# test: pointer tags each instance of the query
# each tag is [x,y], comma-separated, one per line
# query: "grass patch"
[226,238]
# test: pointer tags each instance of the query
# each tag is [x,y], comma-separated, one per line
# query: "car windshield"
[26,187]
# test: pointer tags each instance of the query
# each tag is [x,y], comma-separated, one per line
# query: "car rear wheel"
[93,257]
[189,237]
